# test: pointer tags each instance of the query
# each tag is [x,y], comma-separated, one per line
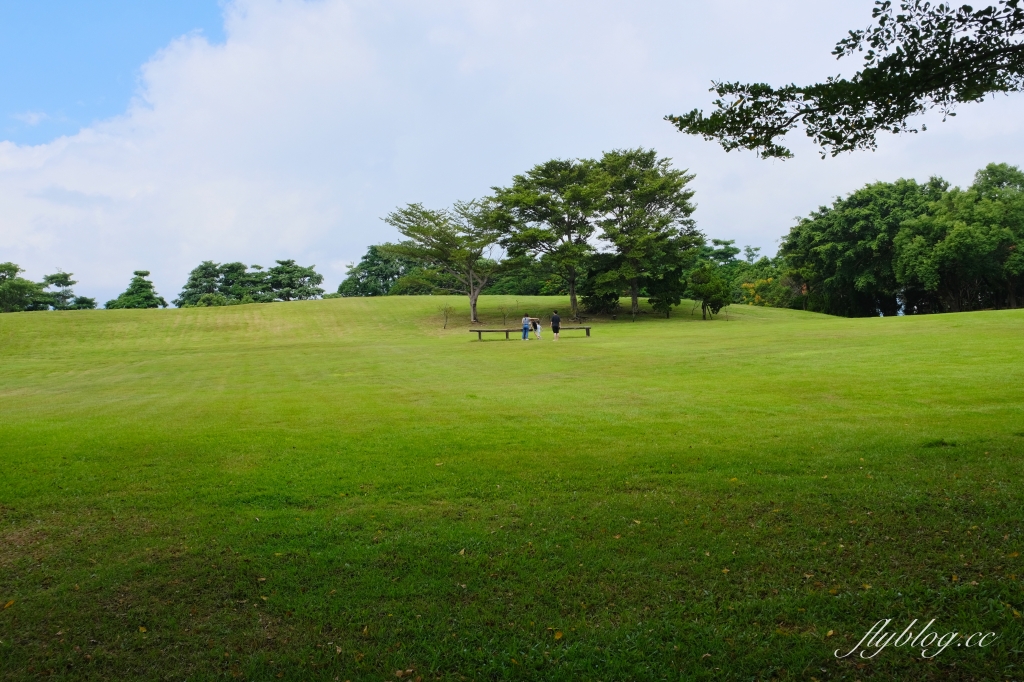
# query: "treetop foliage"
[19,294]
[921,57]
[455,244]
[213,284]
[904,247]
[139,294]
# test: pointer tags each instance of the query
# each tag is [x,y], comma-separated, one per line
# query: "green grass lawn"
[341,490]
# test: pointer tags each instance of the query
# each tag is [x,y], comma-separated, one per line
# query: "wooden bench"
[480,332]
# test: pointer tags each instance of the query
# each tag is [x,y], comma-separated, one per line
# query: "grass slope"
[340,490]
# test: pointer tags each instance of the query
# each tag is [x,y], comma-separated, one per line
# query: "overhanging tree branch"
[921,58]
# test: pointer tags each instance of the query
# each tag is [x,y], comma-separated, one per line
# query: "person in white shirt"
[526,326]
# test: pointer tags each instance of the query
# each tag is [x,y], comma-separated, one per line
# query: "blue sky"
[170,133]
[68,63]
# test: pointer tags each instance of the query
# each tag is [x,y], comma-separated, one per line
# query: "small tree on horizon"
[139,294]
[289,281]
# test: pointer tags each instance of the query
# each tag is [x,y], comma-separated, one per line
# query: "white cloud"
[314,119]
[31,118]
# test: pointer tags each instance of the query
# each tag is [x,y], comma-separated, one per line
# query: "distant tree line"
[53,293]
[620,226]
[209,284]
[213,284]
[599,230]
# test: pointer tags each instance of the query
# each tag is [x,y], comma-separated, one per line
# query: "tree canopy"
[213,284]
[19,294]
[378,272]
[549,212]
[455,243]
[646,218]
[139,294]
[921,57]
[904,247]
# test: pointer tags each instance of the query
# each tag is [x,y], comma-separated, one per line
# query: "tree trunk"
[572,294]
[634,292]
[473,295]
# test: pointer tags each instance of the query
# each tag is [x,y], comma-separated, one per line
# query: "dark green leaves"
[211,284]
[926,56]
[139,294]
[911,248]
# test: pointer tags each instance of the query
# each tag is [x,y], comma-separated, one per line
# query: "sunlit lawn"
[343,490]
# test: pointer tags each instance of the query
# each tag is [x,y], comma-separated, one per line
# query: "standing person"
[556,323]
[526,326]
[536,326]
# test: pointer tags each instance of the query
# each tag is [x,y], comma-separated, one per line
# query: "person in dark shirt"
[556,322]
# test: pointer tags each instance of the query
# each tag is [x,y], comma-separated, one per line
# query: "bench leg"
[479,336]
[588,332]
[506,336]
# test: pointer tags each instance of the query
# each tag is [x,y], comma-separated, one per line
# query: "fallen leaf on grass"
[558,635]
[462,552]
[866,586]
[725,570]
[9,604]
[830,633]
[618,537]
[142,629]
[705,656]
[956,579]
[636,522]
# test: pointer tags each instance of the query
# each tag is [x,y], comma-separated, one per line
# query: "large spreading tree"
[966,250]
[921,57]
[904,247]
[549,212]
[842,255]
[455,244]
[645,218]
